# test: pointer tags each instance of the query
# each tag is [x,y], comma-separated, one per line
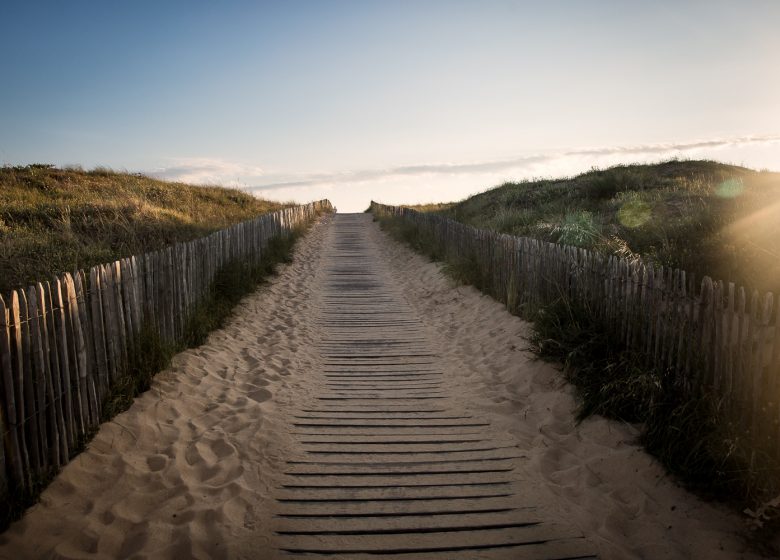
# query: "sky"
[396,101]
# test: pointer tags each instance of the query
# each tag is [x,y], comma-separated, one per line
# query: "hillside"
[702,216]
[55,220]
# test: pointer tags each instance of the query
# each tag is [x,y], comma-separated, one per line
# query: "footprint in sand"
[192,455]
[156,462]
[222,449]
[260,395]
[250,360]
[107,518]
[236,423]
[135,540]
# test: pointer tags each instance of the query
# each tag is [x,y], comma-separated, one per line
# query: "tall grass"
[700,216]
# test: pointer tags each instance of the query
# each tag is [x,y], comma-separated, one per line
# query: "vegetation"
[432,207]
[153,354]
[57,220]
[691,437]
[54,220]
[704,217]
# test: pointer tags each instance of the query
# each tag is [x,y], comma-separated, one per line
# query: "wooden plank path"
[387,462]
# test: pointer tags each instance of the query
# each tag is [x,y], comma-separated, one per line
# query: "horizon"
[354,101]
[531,179]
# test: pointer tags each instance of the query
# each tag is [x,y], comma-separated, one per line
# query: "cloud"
[204,171]
[427,182]
[665,149]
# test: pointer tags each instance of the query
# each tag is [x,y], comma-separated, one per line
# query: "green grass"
[60,220]
[704,217]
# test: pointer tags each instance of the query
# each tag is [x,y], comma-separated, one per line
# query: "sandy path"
[388,457]
[187,471]
[201,465]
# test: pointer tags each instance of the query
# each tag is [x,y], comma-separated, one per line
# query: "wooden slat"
[119,308]
[67,376]
[660,307]
[753,355]
[702,340]
[78,356]
[125,290]
[4,460]
[17,365]
[765,405]
[89,373]
[41,375]
[56,377]
[137,273]
[98,333]
[11,429]
[31,426]
[110,324]
[717,338]
[729,335]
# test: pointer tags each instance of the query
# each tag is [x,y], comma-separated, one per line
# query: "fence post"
[11,440]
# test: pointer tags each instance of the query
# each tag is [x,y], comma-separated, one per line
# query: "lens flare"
[634,213]
[730,188]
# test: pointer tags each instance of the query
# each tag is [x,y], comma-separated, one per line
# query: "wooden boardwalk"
[387,461]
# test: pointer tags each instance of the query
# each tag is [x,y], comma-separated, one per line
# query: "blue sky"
[398,101]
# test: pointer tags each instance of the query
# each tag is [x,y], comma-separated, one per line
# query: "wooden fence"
[64,343]
[703,337]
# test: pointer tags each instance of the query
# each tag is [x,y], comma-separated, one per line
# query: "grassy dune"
[55,220]
[702,216]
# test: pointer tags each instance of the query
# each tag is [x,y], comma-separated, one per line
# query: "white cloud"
[208,171]
[518,163]
[442,182]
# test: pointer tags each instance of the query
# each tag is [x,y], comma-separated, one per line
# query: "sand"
[189,470]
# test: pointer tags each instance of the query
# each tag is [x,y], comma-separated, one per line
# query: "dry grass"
[432,207]
[56,220]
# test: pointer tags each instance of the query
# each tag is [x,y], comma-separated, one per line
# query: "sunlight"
[634,213]
[730,188]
